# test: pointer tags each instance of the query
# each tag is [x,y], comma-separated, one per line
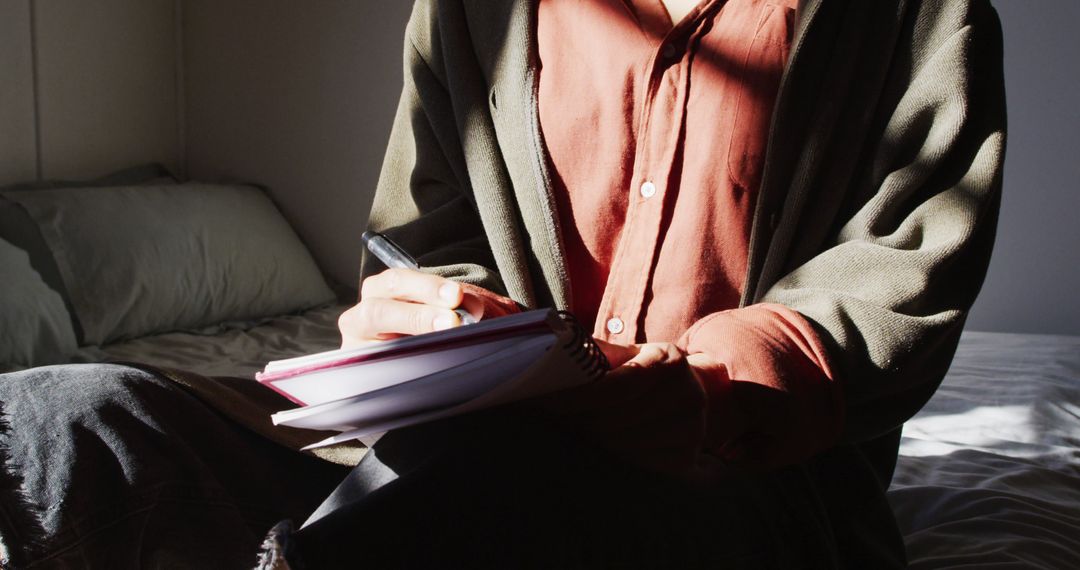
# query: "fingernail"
[449,293]
[466,317]
[443,322]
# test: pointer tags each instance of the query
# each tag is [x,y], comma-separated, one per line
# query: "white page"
[442,389]
[332,384]
[413,343]
[521,387]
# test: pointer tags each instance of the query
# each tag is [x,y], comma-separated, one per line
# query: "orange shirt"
[656,134]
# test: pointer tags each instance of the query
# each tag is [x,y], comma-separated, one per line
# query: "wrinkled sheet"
[230,349]
[989,470]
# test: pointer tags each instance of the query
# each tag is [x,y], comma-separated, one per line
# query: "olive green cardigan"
[876,214]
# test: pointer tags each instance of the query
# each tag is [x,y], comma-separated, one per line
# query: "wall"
[18,143]
[297,96]
[1034,278]
[87,87]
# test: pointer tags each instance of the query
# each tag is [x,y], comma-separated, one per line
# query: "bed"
[988,474]
[989,470]
[230,349]
[138,266]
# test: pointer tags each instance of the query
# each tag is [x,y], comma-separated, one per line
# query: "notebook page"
[493,327]
[446,388]
[331,384]
[557,370]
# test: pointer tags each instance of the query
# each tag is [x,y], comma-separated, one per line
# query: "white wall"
[107,90]
[18,151]
[87,87]
[1034,279]
[297,96]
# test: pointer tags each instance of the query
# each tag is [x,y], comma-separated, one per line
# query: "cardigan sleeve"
[424,200]
[889,293]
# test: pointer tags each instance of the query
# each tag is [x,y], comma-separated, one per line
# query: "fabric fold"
[773,397]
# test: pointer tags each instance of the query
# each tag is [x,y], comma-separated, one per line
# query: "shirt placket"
[651,187]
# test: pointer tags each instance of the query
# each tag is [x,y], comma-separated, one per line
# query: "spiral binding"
[584,349]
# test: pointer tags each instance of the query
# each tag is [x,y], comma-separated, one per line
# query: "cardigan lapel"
[510,61]
[768,209]
[824,108]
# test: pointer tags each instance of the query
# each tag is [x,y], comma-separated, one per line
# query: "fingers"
[382,319]
[639,355]
[412,286]
[649,355]
[400,302]
[347,325]
[473,305]
[704,361]
[650,410]
[617,354]
[642,386]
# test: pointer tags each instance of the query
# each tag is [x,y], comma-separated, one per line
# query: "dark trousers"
[112,467]
[496,491]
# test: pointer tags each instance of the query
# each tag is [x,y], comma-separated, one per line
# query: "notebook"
[387,385]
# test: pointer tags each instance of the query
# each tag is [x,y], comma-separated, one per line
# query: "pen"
[394,257]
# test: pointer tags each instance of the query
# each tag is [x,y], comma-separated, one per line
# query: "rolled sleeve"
[773,398]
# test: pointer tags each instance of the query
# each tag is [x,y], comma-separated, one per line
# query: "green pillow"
[138,260]
[35,327]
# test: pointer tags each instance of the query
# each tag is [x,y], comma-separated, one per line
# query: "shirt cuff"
[494,305]
[773,398]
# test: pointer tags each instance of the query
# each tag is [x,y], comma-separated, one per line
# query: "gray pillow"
[18,229]
[35,328]
[138,260]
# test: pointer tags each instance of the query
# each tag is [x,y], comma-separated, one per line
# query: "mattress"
[230,349]
[989,470]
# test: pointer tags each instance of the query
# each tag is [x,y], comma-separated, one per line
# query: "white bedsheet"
[989,473]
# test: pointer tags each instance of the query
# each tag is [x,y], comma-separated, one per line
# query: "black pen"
[394,257]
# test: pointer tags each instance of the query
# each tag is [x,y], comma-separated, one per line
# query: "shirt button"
[615,325]
[669,51]
[648,189]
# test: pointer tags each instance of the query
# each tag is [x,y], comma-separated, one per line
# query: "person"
[774,215]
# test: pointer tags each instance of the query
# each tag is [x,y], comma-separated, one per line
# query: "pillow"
[138,260]
[19,229]
[35,328]
[152,173]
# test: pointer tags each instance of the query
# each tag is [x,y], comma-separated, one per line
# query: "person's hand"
[403,302]
[649,410]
